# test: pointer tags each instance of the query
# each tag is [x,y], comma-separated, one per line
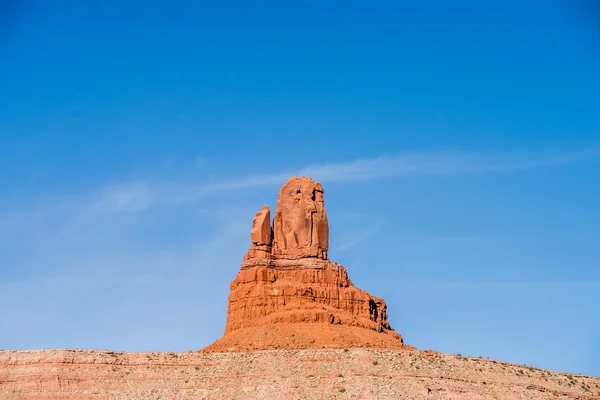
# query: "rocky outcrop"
[300,225]
[287,279]
[261,235]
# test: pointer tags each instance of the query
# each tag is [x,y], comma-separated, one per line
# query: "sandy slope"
[279,374]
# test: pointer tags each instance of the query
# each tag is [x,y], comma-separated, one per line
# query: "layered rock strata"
[287,279]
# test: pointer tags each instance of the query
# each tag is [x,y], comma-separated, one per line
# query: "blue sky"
[458,144]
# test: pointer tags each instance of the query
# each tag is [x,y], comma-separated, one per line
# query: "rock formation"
[287,295]
[300,226]
[288,284]
[261,235]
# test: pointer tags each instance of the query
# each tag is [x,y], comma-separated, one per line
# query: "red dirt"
[279,374]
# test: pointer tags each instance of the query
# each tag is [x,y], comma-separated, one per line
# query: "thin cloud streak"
[141,195]
[408,165]
[440,164]
[369,233]
[137,195]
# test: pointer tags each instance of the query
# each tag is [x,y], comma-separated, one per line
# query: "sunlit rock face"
[300,226]
[287,281]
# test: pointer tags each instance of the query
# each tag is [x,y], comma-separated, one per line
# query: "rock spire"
[288,294]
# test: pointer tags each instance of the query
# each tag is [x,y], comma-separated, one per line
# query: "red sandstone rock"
[300,226]
[261,235]
[287,280]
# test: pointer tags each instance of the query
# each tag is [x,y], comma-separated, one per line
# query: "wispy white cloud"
[129,196]
[441,164]
[353,241]
[143,194]
[139,195]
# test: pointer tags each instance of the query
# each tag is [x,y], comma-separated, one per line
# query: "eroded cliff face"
[287,279]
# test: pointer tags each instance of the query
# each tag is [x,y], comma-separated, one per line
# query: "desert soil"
[357,373]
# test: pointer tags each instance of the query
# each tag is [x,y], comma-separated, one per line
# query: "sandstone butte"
[289,295]
[297,328]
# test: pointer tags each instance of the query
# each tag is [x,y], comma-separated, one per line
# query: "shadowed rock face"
[286,279]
